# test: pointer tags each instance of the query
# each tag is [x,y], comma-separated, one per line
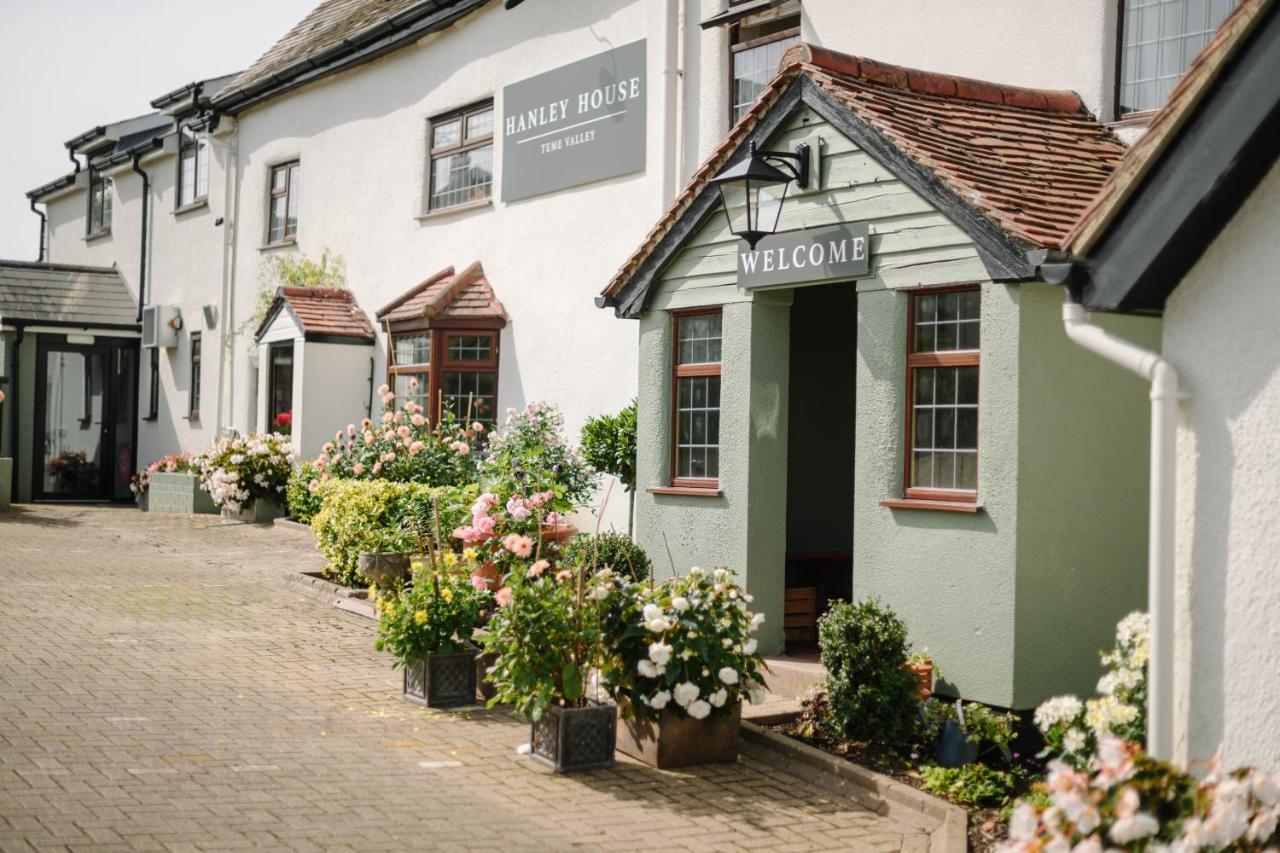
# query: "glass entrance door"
[85,415]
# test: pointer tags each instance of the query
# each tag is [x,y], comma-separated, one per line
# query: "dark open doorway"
[820,458]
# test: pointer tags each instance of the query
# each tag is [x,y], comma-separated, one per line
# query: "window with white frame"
[1158,40]
[193,168]
[757,43]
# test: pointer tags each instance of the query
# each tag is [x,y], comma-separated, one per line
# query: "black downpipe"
[15,431]
[146,204]
[43,223]
[74,159]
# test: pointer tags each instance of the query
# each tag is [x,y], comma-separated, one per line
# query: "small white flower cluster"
[684,618]
[239,470]
[1091,810]
[1072,728]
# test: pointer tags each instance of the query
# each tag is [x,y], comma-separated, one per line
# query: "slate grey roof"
[336,35]
[65,294]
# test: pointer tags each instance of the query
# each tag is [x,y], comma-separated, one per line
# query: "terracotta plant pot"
[678,740]
[557,533]
[441,680]
[924,678]
[490,574]
[383,569]
[570,739]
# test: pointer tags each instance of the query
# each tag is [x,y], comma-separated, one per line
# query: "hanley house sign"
[576,124]
[812,254]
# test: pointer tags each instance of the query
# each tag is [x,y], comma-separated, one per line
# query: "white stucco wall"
[1219,333]
[1066,45]
[335,382]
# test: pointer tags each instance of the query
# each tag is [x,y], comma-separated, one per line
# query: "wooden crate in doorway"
[800,617]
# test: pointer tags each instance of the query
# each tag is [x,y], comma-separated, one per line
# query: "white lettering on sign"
[813,254]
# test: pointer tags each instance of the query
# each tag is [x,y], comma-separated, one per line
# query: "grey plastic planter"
[442,681]
[384,569]
[260,511]
[180,493]
[573,739]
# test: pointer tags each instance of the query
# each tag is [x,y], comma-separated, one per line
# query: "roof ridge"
[471,273]
[932,82]
[414,291]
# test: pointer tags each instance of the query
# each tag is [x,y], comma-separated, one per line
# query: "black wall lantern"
[753,190]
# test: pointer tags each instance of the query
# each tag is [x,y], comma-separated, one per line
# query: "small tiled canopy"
[320,312]
[449,295]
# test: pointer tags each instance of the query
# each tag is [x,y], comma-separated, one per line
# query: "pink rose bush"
[172,463]
[403,447]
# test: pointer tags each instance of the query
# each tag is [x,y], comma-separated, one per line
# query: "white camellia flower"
[685,693]
[659,653]
[749,647]
[680,603]
[698,709]
[720,574]
[1073,740]
[659,700]
[719,697]
[651,612]
[696,570]
[728,675]
[658,625]
[757,619]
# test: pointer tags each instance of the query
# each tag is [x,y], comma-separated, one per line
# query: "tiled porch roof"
[448,295]
[324,311]
[1028,160]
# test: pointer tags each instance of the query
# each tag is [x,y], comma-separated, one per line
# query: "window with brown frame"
[943,337]
[460,145]
[695,461]
[456,368]
[282,203]
[756,45]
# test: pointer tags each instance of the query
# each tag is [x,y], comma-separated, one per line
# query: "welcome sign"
[814,254]
[579,123]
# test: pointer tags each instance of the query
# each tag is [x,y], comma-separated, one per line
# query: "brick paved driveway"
[160,688]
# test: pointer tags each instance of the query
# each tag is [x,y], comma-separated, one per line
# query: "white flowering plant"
[242,469]
[687,645]
[1124,799]
[1072,729]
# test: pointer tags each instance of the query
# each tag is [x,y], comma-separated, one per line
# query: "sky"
[69,65]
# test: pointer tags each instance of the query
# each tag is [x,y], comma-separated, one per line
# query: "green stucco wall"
[1082,498]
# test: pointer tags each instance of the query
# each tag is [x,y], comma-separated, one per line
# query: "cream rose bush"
[242,469]
[687,644]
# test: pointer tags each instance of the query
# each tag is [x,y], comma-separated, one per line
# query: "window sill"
[937,506]
[686,491]
[201,204]
[289,243]
[442,212]
[1140,119]
[193,417]
[97,235]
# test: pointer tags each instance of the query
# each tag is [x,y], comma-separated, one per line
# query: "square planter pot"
[442,681]
[179,493]
[572,739]
[6,475]
[259,512]
[483,662]
[681,741]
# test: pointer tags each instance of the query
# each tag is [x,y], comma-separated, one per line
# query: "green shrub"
[367,515]
[981,724]
[302,500]
[973,785]
[609,445]
[871,691]
[615,551]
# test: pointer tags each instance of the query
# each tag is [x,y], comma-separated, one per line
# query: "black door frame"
[110,346]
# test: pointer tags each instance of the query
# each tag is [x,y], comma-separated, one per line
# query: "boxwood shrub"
[367,515]
[616,551]
[871,691]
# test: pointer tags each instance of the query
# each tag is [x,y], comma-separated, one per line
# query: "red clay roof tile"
[447,294]
[1028,159]
[323,311]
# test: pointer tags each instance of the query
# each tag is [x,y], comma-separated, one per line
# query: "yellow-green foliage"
[366,515]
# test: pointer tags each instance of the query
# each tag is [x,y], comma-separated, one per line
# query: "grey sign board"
[579,123]
[814,254]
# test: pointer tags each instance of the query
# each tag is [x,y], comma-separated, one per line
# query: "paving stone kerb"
[161,689]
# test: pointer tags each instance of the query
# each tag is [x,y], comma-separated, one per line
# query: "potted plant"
[246,475]
[546,633]
[681,658]
[172,484]
[921,665]
[962,730]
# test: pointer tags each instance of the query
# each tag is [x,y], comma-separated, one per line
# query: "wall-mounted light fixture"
[753,189]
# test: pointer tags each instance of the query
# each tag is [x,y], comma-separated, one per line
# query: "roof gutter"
[1161,536]
[44,221]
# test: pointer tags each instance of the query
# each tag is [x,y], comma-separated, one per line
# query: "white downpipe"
[226,309]
[672,85]
[1160,537]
